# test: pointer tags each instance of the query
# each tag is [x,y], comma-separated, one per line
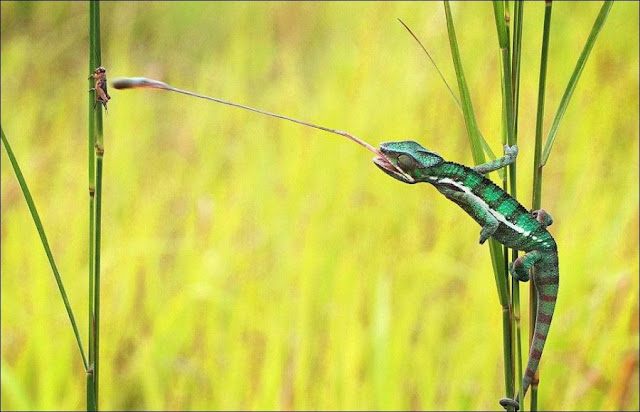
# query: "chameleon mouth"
[392,170]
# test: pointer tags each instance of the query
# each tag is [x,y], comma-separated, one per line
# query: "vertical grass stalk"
[510,79]
[502,20]
[497,256]
[537,177]
[95,208]
[515,80]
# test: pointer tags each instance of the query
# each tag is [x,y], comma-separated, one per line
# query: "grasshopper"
[100,86]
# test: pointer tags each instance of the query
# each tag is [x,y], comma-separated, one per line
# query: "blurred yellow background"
[251,263]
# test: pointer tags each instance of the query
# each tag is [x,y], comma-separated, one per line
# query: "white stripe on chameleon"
[499,216]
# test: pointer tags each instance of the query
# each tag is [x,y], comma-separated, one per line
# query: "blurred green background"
[251,263]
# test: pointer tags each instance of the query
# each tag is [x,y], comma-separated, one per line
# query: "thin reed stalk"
[515,78]
[501,15]
[95,153]
[537,177]
[495,248]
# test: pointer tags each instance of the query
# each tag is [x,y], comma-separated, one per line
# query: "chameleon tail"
[545,277]
[546,280]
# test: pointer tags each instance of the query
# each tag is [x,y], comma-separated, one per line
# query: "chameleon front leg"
[510,153]
[476,208]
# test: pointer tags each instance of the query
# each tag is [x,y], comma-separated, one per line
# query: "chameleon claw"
[511,151]
[513,269]
[543,217]
[508,402]
[488,230]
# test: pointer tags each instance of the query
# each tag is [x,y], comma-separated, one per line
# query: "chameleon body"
[501,217]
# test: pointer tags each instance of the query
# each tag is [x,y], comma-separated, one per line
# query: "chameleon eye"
[406,162]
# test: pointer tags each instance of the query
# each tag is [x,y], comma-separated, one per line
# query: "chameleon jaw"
[392,170]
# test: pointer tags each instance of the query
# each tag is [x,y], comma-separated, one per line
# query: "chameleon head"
[406,161]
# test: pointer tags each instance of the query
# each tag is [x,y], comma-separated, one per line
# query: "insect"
[100,86]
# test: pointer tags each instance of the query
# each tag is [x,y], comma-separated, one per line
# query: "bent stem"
[45,243]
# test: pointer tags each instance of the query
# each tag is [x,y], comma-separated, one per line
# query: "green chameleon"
[501,217]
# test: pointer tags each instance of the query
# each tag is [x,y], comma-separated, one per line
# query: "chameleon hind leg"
[510,153]
[520,267]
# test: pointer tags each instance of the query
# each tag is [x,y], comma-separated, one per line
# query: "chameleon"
[500,216]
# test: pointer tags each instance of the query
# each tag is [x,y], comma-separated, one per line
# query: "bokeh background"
[251,263]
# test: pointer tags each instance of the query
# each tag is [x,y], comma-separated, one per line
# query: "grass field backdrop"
[251,263]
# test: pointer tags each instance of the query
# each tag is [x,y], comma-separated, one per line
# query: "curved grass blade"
[45,242]
[575,76]
[485,145]
[496,250]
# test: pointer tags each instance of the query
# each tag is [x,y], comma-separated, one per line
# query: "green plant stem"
[502,19]
[515,62]
[515,78]
[476,150]
[537,176]
[497,254]
[537,165]
[98,234]
[93,63]
[469,115]
[95,208]
[45,243]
